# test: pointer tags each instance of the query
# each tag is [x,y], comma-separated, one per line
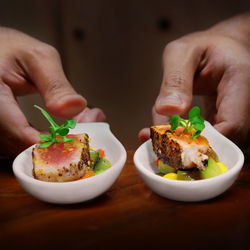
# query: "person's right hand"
[216,64]
[29,66]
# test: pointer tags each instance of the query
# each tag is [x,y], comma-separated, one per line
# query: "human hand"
[215,64]
[29,66]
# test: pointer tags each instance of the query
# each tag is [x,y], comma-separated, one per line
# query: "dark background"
[111,50]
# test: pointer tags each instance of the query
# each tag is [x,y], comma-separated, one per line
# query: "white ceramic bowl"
[81,190]
[199,190]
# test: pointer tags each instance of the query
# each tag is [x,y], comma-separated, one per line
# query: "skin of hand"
[30,66]
[216,65]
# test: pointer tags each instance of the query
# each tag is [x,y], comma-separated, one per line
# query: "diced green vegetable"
[94,155]
[211,170]
[165,168]
[102,165]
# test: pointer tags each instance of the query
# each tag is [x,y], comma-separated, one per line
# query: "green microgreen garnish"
[195,123]
[55,130]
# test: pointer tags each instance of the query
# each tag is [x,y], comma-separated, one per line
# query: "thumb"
[175,95]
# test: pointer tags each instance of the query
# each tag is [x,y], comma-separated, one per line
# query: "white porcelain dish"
[190,191]
[81,190]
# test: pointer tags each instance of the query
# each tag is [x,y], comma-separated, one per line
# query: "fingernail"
[173,100]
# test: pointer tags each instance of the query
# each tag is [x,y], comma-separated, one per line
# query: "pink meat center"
[60,153]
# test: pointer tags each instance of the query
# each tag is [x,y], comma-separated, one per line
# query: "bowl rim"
[229,174]
[31,180]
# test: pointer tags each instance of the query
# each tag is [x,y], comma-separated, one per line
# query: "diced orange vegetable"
[157,162]
[101,152]
[88,174]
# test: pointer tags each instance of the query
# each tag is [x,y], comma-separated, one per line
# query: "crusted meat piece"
[179,150]
[63,161]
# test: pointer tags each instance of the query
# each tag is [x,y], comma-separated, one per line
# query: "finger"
[209,102]
[16,133]
[144,135]
[232,117]
[180,62]
[159,119]
[43,66]
[12,75]
[90,115]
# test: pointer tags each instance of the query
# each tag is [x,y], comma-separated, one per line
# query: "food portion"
[184,154]
[62,161]
[60,157]
[178,149]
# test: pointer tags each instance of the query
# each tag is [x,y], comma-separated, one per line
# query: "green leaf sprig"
[55,130]
[195,123]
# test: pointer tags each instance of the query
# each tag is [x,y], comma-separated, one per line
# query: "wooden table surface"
[128,216]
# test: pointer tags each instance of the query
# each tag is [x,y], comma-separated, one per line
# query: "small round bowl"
[81,190]
[190,191]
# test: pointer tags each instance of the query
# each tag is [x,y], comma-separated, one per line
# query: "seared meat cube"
[179,150]
[63,161]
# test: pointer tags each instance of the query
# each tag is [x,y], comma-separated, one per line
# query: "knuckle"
[178,44]
[176,47]
[169,47]
[43,51]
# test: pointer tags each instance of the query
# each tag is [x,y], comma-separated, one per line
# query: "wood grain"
[128,216]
